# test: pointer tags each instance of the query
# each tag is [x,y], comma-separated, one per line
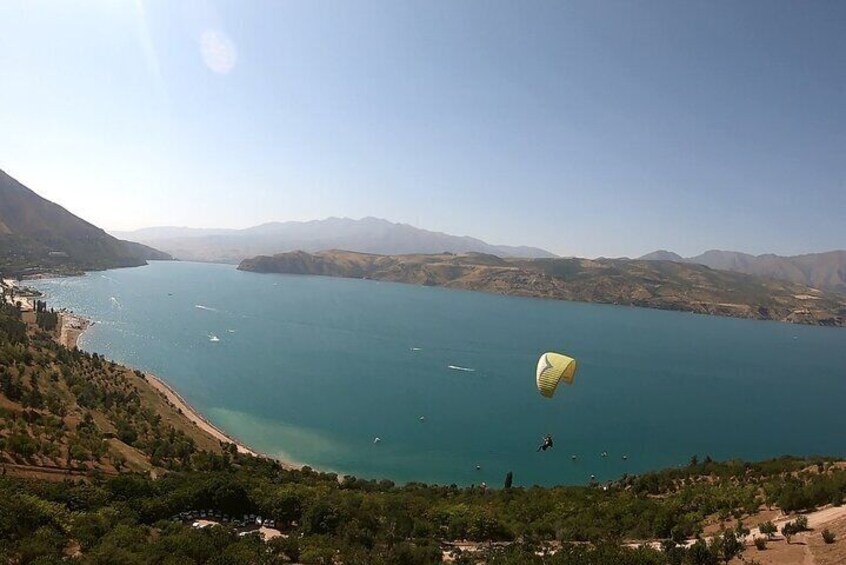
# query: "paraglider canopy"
[552,369]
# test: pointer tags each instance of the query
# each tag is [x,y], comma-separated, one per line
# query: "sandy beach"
[72,326]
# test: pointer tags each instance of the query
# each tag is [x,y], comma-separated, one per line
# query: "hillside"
[367,235]
[98,467]
[68,412]
[653,284]
[38,235]
[826,271]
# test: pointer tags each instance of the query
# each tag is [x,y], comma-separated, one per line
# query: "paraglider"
[552,369]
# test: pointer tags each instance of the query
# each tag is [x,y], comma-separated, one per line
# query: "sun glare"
[219,53]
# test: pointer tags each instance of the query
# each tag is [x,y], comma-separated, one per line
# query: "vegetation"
[768,529]
[76,411]
[828,536]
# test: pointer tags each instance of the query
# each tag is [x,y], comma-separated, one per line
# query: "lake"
[312,369]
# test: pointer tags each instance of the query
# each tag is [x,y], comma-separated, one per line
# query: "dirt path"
[816,519]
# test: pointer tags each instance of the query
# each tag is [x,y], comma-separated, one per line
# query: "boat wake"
[213,338]
[209,308]
[459,368]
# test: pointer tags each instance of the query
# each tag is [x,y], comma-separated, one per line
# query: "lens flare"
[219,53]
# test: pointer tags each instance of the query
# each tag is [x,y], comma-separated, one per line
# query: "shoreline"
[71,327]
[200,421]
[70,330]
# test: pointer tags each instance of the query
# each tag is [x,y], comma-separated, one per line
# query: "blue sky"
[588,128]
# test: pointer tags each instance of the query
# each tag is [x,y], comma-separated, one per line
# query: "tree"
[768,529]
[732,547]
[700,554]
[787,531]
[740,530]
[286,546]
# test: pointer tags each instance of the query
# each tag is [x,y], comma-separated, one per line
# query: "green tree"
[768,529]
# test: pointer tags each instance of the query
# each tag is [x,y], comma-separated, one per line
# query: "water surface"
[312,369]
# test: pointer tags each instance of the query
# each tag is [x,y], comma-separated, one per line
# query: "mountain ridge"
[825,270]
[366,235]
[39,235]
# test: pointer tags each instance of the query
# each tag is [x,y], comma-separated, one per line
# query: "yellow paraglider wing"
[552,369]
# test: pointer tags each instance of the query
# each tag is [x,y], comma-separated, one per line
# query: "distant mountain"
[368,235]
[826,271]
[653,284]
[38,235]
[663,255]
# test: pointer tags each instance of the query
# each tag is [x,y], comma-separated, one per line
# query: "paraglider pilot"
[547,443]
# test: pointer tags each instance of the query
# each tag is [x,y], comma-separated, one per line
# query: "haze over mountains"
[826,271]
[367,235]
[38,234]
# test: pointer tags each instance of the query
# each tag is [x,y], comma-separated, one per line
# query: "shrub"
[828,536]
[801,523]
[761,543]
[768,529]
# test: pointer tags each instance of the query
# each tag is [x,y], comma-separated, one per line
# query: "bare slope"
[36,233]
[653,284]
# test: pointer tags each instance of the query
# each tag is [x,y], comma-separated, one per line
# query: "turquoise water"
[312,369]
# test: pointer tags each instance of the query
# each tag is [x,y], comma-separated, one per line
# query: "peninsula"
[652,284]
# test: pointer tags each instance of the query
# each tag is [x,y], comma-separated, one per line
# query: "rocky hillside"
[826,271]
[38,235]
[653,284]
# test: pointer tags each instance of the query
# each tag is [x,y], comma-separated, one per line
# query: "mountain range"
[37,235]
[825,271]
[367,235]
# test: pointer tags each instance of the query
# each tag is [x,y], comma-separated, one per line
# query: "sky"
[586,128]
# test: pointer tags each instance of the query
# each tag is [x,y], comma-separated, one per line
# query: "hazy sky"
[588,128]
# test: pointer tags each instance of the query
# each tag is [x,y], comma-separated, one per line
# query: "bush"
[761,543]
[768,529]
[828,536]
[801,523]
